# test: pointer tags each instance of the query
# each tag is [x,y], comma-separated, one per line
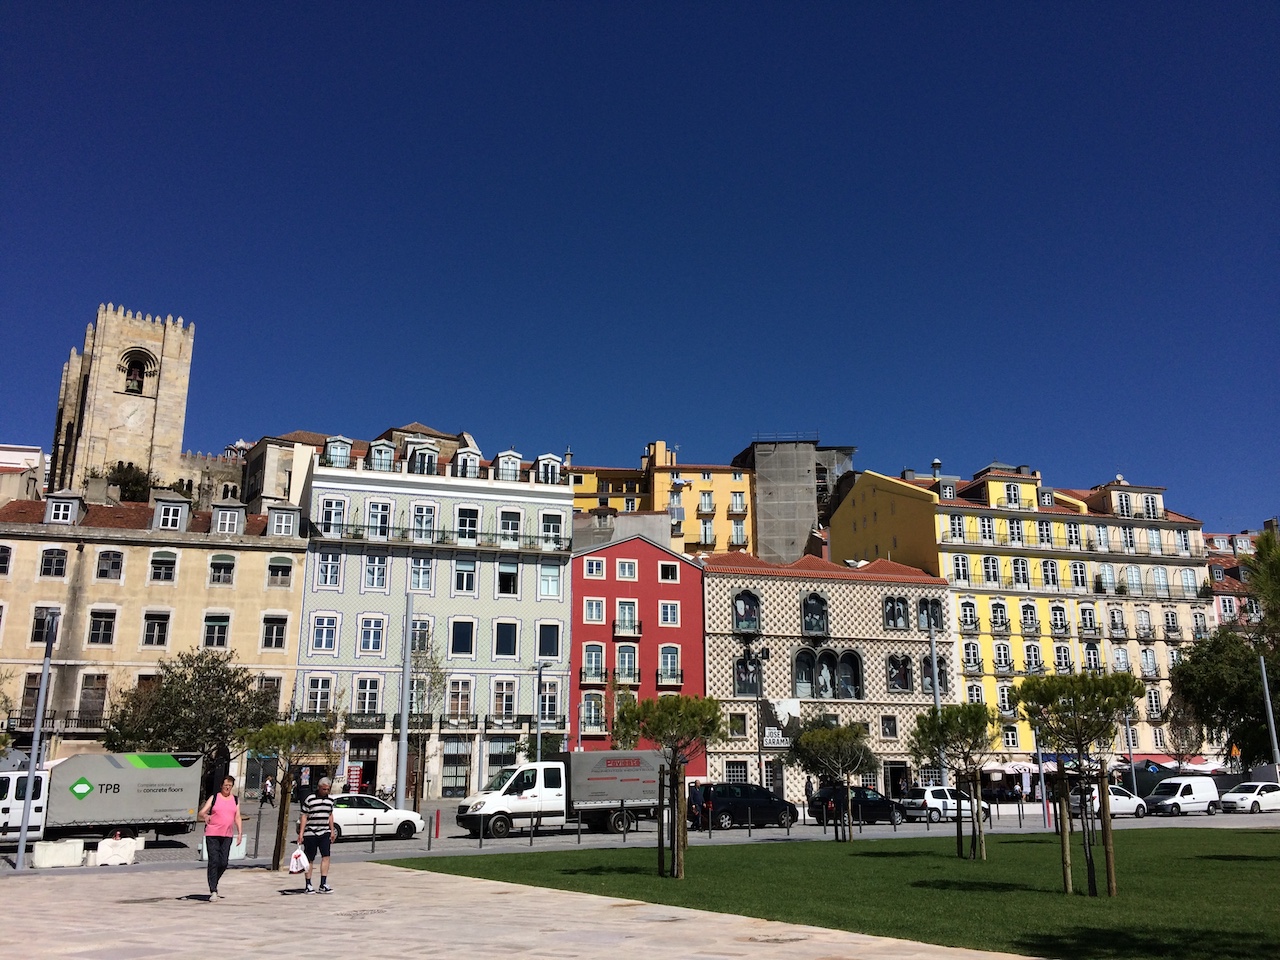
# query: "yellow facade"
[1042,579]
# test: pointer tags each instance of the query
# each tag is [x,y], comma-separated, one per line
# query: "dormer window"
[508,466]
[948,491]
[337,452]
[1124,505]
[381,456]
[170,516]
[283,523]
[1012,495]
[548,469]
[228,521]
[1046,498]
[60,511]
[422,460]
[466,465]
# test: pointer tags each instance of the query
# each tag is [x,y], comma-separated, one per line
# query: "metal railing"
[627,628]
[503,472]
[971,627]
[971,668]
[706,509]
[629,676]
[669,677]
[592,675]
[84,720]
[433,536]
[366,721]
[737,509]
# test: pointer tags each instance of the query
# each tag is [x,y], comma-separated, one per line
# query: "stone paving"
[379,911]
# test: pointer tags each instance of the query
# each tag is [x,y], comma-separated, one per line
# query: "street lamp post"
[755,659]
[50,637]
[1128,742]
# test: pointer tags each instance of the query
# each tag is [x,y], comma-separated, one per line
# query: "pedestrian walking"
[268,792]
[316,831]
[808,791]
[695,805]
[220,815]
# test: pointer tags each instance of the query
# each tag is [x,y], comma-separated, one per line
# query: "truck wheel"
[935,815]
[724,821]
[616,820]
[500,827]
[405,831]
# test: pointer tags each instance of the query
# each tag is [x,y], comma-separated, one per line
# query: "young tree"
[288,743]
[966,733]
[552,742]
[1078,714]
[200,702]
[1184,733]
[833,755]
[680,727]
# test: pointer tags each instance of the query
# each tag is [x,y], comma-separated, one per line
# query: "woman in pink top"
[221,816]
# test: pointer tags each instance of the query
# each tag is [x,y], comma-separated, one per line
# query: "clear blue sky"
[1044,233]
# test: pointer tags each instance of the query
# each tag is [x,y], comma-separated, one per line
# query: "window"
[110,565]
[593,713]
[986,529]
[378,525]
[1087,618]
[948,491]
[1073,535]
[972,655]
[549,701]
[1229,607]
[1157,737]
[226,521]
[1029,618]
[968,615]
[468,524]
[999,616]
[424,522]
[60,511]
[93,695]
[102,627]
[422,462]
[371,631]
[1049,571]
[899,674]
[1183,540]
[170,516]
[956,527]
[1021,572]
[746,613]
[216,627]
[669,572]
[319,694]
[929,614]
[974,693]
[593,568]
[889,727]
[627,622]
[1032,654]
[1015,532]
[593,662]
[1160,580]
[1121,656]
[1104,537]
[366,695]
[735,771]
[669,663]
[1107,577]
[464,576]
[626,570]
[509,526]
[737,726]
[155,630]
[1217,573]
[281,524]
[419,572]
[504,699]
[960,567]
[332,516]
[324,634]
[1153,542]
[593,611]
[548,641]
[53,563]
[627,663]
[1153,701]
[1003,656]
[1133,579]
[1127,539]
[705,503]
[508,578]
[1012,495]
[1062,658]
[504,638]
[1058,619]
[1011,737]
[420,636]
[375,571]
[549,579]
[1003,703]
[1079,576]
[629,505]
[1092,658]
[895,613]
[1044,533]
[273,631]
[927,674]
[459,699]
[462,639]
[1124,505]
[5,554]
[222,570]
[551,523]
[328,570]
[990,570]
[279,572]
[669,613]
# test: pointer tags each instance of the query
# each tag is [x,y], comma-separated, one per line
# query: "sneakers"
[213,896]
[309,888]
[325,888]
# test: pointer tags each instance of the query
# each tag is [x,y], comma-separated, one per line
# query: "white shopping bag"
[298,862]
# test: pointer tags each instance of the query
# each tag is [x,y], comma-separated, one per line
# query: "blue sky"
[1044,233]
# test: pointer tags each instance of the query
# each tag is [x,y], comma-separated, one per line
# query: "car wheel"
[895,817]
[1140,811]
[500,827]
[1175,810]
[405,830]
[724,821]
[1212,809]
[935,815]
[784,819]
[1256,807]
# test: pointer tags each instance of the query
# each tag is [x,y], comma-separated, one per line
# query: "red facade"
[637,629]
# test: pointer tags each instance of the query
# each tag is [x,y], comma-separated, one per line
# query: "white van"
[1179,795]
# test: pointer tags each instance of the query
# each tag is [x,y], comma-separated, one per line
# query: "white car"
[1252,797]
[934,803]
[1123,803]
[354,814]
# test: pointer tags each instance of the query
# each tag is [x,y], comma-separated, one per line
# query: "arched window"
[1133,579]
[929,613]
[136,364]
[1058,618]
[1160,580]
[999,616]
[1092,658]
[927,674]
[974,692]
[1106,577]
[972,654]
[898,674]
[825,681]
[960,568]
[1049,572]
[849,684]
[991,569]
[593,663]
[1029,618]
[968,615]
[53,563]
[804,670]
[1031,653]
[814,615]
[746,613]
[593,713]
[895,613]
[1188,583]
[1003,656]
[1021,572]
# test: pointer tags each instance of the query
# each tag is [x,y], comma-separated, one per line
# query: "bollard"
[373,841]
[437,824]
[749,824]
[579,828]
[482,825]
[859,819]
[788,826]
[257,833]
[1019,814]
[428,836]
[625,821]
[533,828]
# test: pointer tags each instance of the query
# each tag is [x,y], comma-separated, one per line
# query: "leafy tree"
[551,743]
[288,743]
[834,755]
[1183,731]
[680,727]
[966,733]
[1078,714]
[199,702]
[135,483]
[1263,567]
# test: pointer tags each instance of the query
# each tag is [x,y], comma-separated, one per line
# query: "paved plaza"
[382,911]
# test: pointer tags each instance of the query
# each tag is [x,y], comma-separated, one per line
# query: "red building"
[637,632]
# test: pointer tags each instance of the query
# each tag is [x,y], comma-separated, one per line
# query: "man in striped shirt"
[316,830]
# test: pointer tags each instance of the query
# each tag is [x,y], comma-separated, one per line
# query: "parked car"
[1123,803]
[739,803]
[934,803]
[1253,796]
[1183,795]
[1001,794]
[354,814]
[866,805]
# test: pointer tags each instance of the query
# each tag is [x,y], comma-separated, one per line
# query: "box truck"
[604,788]
[94,795]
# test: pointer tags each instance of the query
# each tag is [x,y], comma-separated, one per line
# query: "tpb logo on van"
[81,788]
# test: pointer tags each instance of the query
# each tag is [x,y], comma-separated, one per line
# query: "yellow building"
[709,505]
[131,584]
[1042,578]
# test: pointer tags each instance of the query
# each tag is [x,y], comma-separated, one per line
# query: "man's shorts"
[315,845]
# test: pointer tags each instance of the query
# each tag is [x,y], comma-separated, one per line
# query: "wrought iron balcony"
[742,541]
[971,627]
[502,721]
[1146,634]
[627,628]
[84,720]
[1173,634]
[417,722]
[505,472]
[706,509]
[1064,667]
[439,536]
[318,716]
[1030,628]
[972,668]
[366,721]
[1004,668]
[459,721]
[1092,632]
[592,675]
[1155,715]
[629,676]
[594,727]
[1150,673]
[1118,631]
[1034,669]
[1000,626]
[737,509]
[1059,629]
[670,678]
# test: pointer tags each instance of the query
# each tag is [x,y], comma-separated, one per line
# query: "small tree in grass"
[966,733]
[834,755]
[680,727]
[289,743]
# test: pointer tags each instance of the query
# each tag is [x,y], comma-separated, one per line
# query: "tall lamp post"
[50,637]
[754,659]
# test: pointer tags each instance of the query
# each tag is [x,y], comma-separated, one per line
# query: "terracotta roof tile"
[22,511]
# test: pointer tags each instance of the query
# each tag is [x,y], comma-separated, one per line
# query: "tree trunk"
[1064,837]
[682,833]
[1108,839]
[959,827]
[976,798]
[284,790]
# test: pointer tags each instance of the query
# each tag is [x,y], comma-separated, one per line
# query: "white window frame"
[370,568]
[282,524]
[323,565]
[454,590]
[587,603]
[336,626]
[666,607]
[170,516]
[550,587]
[634,569]
[372,623]
[668,565]
[418,563]
[475,639]
[593,568]
[226,521]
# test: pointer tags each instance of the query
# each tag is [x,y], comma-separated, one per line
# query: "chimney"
[937,468]
[1024,469]
[908,474]
[568,456]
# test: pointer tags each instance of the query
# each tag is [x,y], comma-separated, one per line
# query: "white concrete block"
[57,853]
[115,853]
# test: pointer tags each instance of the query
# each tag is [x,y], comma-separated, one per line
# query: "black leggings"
[218,850]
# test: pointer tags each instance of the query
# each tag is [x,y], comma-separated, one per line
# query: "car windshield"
[1245,788]
[499,779]
[1165,789]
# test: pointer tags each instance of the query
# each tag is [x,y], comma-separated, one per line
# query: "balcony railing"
[1030,628]
[1201,633]
[1173,591]
[1154,715]
[1146,634]
[1000,626]
[1093,631]
[971,627]
[431,536]
[742,541]
[1064,667]
[1150,673]
[366,721]
[460,721]
[594,727]
[707,509]
[417,721]
[592,675]
[670,678]
[972,668]
[1059,629]
[1173,633]
[629,676]
[503,472]
[702,539]
[1118,631]
[627,628]
[323,716]
[1004,668]
[1019,504]
[84,720]
[737,509]
[1034,669]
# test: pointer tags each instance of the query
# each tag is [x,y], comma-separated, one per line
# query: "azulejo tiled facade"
[846,644]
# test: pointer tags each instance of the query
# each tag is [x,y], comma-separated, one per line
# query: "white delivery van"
[1180,795]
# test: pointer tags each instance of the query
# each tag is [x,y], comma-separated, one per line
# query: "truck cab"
[13,796]
[519,797]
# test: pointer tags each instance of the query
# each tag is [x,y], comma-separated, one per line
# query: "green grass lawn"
[1185,894]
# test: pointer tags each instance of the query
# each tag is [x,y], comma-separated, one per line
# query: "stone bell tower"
[123,399]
